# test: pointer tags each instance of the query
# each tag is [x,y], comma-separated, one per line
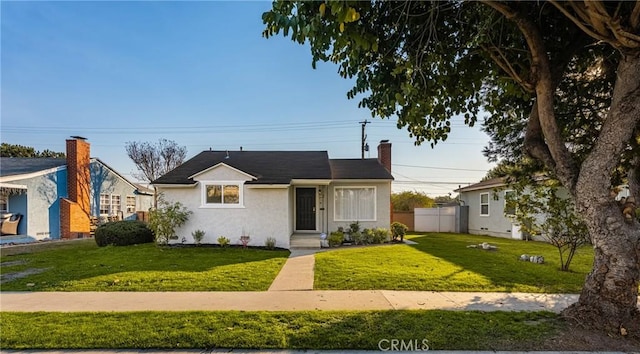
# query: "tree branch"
[616,130]
[603,27]
[508,68]
[534,144]
[564,165]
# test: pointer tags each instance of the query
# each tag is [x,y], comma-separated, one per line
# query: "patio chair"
[10,227]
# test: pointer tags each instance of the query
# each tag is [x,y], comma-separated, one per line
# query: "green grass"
[83,266]
[442,262]
[281,330]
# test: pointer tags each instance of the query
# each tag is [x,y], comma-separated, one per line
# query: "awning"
[12,189]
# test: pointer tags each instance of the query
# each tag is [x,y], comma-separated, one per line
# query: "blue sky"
[198,73]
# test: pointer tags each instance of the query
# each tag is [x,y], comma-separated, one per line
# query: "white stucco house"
[489,213]
[278,194]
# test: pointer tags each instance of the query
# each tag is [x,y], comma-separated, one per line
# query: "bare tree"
[155,159]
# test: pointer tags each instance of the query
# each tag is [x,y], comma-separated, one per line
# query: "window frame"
[112,206]
[100,209]
[488,203]
[5,201]
[515,207]
[127,198]
[375,203]
[222,205]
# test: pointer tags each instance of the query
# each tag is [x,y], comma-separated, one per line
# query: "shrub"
[354,226]
[198,235]
[380,235]
[270,243]
[164,220]
[398,230]
[357,237]
[367,236]
[123,233]
[335,238]
[223,241]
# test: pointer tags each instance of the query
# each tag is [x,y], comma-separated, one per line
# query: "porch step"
[305,241]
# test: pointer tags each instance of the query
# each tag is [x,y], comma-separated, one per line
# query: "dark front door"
[305,208]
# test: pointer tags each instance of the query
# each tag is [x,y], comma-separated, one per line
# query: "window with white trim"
[115,204]
[354,204]
[131,204]
[509,203]
[105,204]
[4,203]
[222,194]
[110,204]
[484,204]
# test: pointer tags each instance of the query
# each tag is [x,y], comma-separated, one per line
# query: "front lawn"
[277,330]
[442,262]
[83,266]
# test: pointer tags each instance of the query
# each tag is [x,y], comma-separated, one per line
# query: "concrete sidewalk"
[281,301]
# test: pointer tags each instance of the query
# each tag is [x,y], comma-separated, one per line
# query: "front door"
[305,208]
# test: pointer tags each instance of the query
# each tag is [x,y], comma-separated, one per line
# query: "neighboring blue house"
[55,200]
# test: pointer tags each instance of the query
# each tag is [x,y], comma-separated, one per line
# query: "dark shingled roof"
[490,183]
[278,167]
[269,167]
[10,166]
[358,169]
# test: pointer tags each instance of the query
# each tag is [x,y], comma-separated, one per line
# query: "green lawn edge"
[443,262]
[84,266]
[364,330]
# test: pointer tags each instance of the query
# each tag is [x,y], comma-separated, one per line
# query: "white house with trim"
[278,194]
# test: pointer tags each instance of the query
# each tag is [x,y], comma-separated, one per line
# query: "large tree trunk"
[610,294]
[609,297]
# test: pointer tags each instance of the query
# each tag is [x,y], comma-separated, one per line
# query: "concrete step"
[305,241]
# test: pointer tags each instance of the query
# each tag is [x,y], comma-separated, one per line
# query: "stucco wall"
[40,206]
[264,214]
[107,182]
[496,223]
[383,205]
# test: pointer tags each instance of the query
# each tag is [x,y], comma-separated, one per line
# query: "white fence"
[435,219]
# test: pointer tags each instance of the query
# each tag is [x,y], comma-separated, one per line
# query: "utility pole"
[363,145]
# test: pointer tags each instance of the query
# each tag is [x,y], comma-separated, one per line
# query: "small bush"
[223,241]
[335,238]
[354,226]
[270,243]
[357,237]
[198,235]
[166,219]
[380,235]
[367,236]
[123,233]
[398,230]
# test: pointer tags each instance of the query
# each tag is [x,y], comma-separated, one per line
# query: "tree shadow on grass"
[502,266]
[88,261]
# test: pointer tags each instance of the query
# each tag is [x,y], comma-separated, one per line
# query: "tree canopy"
[14,150]
[409,200]
[557,85]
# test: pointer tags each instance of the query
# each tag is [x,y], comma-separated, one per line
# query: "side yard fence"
[441,219]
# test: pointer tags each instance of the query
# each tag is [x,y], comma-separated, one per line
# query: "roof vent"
[226,157]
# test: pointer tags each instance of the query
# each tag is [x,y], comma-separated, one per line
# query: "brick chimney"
[75,209]
[384,154]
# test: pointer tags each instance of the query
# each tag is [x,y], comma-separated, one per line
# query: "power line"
[441,168]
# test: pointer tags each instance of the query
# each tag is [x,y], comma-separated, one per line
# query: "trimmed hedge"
[123,233]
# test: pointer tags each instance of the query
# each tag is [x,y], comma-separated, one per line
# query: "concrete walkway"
[297,273]
[281,301]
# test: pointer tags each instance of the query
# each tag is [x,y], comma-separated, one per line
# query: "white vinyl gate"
[435,219]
